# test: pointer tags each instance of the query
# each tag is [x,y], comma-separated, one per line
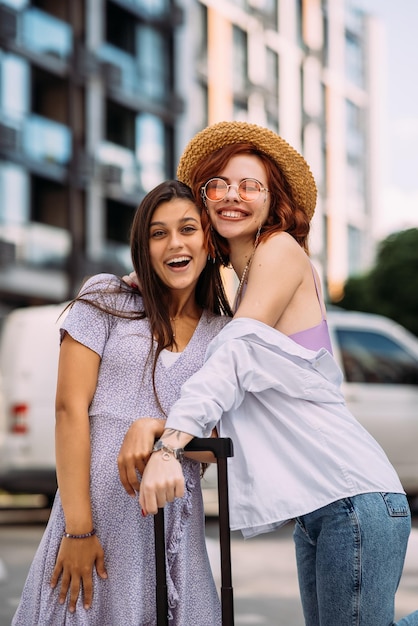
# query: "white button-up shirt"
[296,445]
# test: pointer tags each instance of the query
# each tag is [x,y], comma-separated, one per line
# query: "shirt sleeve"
[219,386]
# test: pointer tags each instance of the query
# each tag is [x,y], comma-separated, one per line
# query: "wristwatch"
[178,453]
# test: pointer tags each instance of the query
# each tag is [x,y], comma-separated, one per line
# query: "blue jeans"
[350,556]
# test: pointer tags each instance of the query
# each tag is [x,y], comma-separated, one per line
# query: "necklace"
[242,281]
[246,270]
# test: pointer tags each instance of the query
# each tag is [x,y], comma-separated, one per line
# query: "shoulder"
[110,293]
[280,252]
[281,243]
[101,282]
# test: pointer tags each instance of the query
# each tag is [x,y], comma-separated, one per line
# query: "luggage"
[222,449]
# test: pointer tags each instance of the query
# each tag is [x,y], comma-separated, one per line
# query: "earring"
[211,258]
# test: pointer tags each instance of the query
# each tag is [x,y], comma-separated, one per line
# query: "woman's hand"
[132,280]
[75,563]
[162,481]
[136,449]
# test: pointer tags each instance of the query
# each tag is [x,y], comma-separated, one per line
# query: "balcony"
[37,245]
[36,142]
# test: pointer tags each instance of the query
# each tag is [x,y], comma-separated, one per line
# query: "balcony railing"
[45,34]
[36,244]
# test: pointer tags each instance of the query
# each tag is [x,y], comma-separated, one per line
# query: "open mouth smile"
[179,261]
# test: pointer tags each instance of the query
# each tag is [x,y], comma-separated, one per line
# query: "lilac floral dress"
[124,393]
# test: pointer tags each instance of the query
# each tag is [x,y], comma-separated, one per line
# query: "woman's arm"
[77,378]
[136,451]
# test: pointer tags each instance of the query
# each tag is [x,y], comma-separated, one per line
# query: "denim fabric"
[350,556]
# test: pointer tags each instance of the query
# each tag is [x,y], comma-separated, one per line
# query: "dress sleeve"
[86,323]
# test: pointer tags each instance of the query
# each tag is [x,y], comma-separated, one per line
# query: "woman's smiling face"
[176,244]
[232,217]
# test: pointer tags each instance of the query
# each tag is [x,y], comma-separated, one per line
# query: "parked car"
[29,347]
[379,360]
[378,357]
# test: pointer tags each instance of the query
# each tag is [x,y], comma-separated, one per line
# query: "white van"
[29,348]
[378,357]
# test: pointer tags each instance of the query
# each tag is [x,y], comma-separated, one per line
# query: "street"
[264,571]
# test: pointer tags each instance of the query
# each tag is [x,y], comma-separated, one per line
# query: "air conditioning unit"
[112,174]
[8,23]
[112,75]
[9,137]
[7,252]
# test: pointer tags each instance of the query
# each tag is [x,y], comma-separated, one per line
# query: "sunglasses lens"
[249,189]
[216,189]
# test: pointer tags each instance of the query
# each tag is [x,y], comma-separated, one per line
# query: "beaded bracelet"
[85,536]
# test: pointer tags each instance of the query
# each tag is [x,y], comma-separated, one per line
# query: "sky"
[399,184]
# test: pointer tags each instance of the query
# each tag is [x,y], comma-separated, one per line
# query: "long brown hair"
[284,214]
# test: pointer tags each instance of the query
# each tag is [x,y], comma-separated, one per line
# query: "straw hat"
[292,164]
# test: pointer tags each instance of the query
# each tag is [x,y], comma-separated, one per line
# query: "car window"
[373,357]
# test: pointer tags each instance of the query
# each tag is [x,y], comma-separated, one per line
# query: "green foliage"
[391,287]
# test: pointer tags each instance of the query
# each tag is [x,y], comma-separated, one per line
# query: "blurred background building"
[99,97]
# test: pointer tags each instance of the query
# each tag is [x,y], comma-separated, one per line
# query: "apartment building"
[99,97]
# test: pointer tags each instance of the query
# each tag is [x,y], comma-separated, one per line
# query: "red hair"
[285,215]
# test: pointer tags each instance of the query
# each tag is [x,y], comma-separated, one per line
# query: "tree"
[391,286]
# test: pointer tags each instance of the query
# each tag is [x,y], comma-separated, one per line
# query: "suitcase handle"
[222,448]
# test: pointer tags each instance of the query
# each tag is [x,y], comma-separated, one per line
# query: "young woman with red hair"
[270,383]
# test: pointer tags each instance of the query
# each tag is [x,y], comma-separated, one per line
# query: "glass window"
[153,62]
[45,140]
[355,248]
[151,147]
[46,34]
[120,28]
[14,86]
[118,221]
[240,59]
[355,149]
[15,4]
[354,59]
[272,74]
[117,251]
[14,195]
[153,7]
[120,125]
[373,357]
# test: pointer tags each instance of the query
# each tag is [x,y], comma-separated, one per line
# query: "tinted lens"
[216,189]
[249,189]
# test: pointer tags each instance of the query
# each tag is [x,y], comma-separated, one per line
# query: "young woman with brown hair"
[125,354]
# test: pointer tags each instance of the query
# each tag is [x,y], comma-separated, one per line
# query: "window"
[373,357]
[355,139]
[153,60]
[151,150]
[118,221]
[14,81]
[354,59]
[272,74]
[120,28]
[240,60]
[120,125]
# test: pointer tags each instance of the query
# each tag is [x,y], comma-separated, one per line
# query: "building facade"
[99,97]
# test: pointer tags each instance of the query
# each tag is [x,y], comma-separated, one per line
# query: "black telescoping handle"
[222,448]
